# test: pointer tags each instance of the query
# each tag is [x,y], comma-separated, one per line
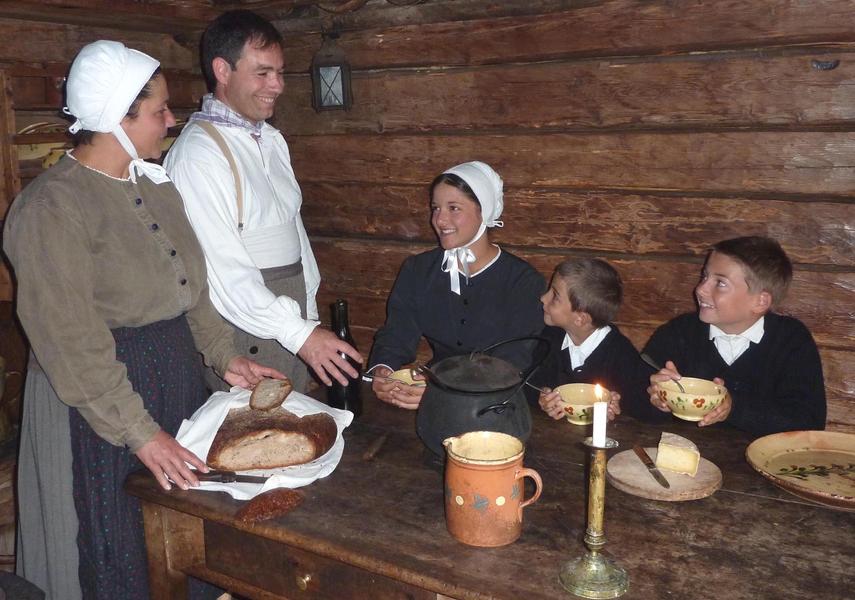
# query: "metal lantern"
[331,77]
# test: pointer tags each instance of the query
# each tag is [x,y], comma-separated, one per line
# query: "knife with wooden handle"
[229,477]
[651,466]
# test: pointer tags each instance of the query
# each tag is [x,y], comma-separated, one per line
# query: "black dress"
[501,302]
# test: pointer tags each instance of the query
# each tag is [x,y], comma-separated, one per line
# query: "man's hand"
[167,459]
[322,352]
[245,373]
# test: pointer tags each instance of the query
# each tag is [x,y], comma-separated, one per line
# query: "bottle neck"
[339,319]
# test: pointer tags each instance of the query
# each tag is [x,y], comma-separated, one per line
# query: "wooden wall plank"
[655,289]
[612,28]
[696,91]
[600,221]
[815,163]
[35,42]
[10,182]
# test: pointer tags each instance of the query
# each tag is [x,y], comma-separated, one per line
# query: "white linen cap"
[104,80]
[487,185]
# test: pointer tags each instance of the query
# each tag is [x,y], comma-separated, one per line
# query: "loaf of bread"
[269,505]
[270,394]
[251,439]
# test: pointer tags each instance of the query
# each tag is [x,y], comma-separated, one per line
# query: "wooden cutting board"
[627,473]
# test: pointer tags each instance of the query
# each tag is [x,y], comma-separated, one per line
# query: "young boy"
[768,362]
[583,298]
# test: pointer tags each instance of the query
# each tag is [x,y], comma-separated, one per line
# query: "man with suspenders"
[234,173]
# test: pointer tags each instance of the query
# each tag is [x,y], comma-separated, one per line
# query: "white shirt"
[579,354]
[731,346]
[271,199]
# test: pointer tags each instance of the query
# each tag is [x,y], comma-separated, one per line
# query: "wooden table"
[376,530]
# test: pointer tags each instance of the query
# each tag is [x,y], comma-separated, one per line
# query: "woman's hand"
[167,459]
[720,412]
[397,392]
[246,373]
[669,372]
[614,405]
[551,403]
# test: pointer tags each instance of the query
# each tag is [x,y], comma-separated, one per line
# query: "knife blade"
[651,466]
[229,477]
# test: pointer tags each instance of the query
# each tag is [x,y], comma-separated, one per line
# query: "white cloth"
[579,354]
[486,184]
[273,246]
[271,197]
[732,346]
[197,434]
[104,80]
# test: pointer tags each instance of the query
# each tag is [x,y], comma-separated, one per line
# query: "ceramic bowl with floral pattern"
[579,401]
[700,397]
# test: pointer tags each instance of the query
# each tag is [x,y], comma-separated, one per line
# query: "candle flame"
[598,392]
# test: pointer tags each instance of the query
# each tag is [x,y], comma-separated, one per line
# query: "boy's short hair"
[593,286]
[226,36]
[764,263]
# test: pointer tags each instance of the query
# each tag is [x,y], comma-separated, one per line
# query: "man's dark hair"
[226,36]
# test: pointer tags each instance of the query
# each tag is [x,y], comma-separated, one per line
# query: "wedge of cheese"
[677,454]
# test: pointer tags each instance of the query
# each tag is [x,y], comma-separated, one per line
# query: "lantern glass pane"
[331,91]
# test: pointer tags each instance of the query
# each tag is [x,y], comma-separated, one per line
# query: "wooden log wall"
[637,131]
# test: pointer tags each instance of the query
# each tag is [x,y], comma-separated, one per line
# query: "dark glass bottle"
[338,395]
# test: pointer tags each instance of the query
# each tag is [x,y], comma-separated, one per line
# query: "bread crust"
[269,505]
[250,439]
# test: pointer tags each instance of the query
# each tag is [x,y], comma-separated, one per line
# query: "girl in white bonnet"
[112,294]
[462,296]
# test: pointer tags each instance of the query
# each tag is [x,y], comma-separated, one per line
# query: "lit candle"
[600,418]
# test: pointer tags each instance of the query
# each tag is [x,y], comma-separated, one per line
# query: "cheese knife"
[651,466]
[229,477]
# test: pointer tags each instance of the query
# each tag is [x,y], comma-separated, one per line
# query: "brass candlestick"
[592,575]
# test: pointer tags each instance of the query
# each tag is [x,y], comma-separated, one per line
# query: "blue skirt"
[163,368]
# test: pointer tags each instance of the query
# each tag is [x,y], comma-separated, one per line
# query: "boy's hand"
[550,402]
[720,412]
[669,372]
[614,405]
[397,392]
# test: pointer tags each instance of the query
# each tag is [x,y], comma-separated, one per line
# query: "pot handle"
[538,487]
[499,407]
[543,346]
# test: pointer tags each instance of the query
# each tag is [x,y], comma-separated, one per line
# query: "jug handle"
[538,486]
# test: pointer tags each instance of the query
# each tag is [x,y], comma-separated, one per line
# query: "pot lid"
[476,373]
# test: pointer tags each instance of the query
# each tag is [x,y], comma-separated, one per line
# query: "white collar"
[579,354]
[752,334]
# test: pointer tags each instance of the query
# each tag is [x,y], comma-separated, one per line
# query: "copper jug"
[484,488]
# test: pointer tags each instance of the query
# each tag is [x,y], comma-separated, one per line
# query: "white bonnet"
[487,185]
[104,80]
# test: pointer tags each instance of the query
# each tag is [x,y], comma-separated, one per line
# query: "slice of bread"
[251,439]
[270,394]
[269,505]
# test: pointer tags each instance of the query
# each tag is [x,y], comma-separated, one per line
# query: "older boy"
[583,298]
[768,362]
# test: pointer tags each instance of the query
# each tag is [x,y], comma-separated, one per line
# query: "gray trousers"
[282,281]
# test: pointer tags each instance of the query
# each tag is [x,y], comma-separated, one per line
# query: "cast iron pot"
[475,392]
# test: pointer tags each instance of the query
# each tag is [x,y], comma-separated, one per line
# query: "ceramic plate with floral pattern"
[816,465]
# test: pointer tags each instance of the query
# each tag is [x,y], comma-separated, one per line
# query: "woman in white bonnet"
[112,294]
[463,296]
